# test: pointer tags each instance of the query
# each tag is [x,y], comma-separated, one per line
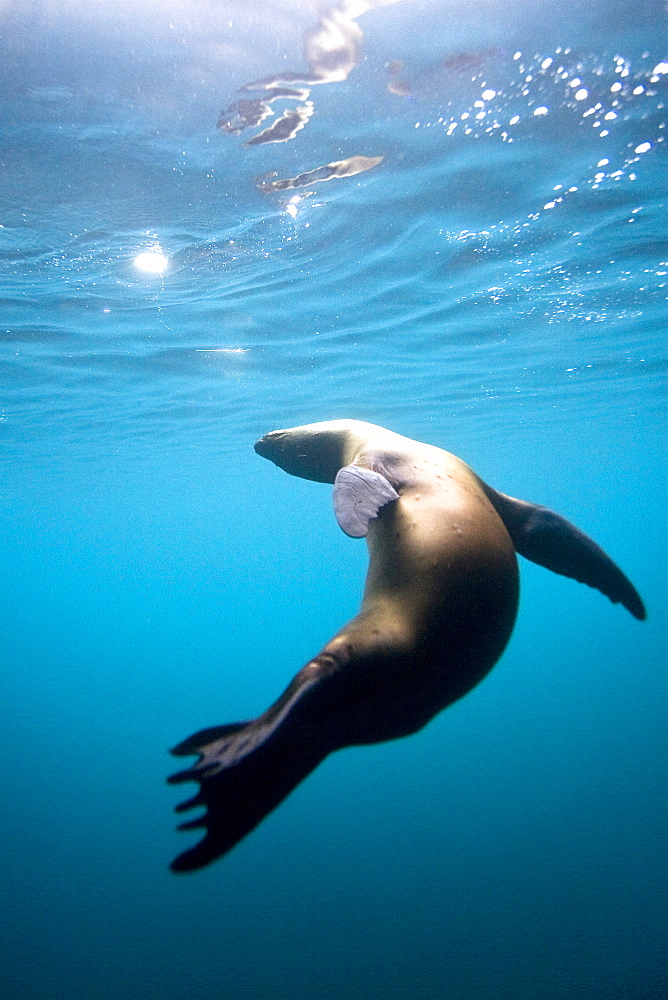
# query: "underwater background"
[182,270]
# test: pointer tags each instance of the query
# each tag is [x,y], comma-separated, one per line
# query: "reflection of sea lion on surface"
[249,112]
[285,127]
[340,168]
[439,607]
[243,114]
[332,51]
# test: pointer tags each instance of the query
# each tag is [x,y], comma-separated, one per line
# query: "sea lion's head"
[316,451]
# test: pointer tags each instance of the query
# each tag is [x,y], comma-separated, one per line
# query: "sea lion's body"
[439,607]
[440,598]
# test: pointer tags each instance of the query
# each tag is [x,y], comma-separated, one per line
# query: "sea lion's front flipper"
[246,769]
[546,538]
[359,493]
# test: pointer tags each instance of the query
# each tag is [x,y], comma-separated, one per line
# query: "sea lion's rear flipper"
[359,493]
[546,538]
[246,769]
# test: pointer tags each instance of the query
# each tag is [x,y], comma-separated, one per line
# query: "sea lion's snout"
[267,446]
[281,449]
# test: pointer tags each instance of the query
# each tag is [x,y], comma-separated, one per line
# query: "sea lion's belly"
[439,607]
[434,551]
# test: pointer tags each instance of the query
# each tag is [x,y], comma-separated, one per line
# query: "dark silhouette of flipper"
[246,769]
[547,538]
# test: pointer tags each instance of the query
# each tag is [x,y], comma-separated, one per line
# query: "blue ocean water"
[490,277]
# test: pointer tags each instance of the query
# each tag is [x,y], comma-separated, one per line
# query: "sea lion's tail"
[245,770]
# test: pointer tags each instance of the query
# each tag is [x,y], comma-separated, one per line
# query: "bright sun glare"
[152,261]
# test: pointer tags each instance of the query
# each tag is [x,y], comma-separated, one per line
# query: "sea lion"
[439,606]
